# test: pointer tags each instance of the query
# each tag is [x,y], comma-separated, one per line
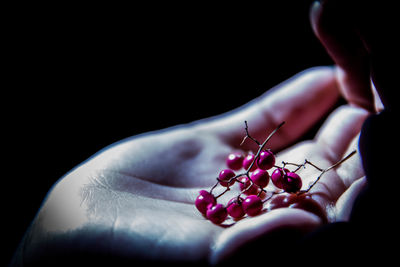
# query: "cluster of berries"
[251,185]
[253,182]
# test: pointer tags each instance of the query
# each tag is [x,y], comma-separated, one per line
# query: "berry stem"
[326,170]
[312,164]
[214,186]
[294,164]
[261,146]
[226,190]
[246,128]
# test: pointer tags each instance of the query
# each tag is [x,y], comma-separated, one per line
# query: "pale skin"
[135,199]
[137,196]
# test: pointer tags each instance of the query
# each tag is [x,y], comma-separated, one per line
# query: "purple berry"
[217,213]
[235,208]
[291,182]
[245,183]
[203,200]
[252,205]
[260,178]
[247,162]
[225,176]
[266,160]
[235,161]
[277,176]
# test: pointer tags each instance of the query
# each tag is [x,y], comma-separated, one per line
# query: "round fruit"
[248,161]
[217,213]
[235,161]
[252,205]
[266,160]
[245,183]
[235,208]
[277,176]
[203,200]
[225,176]
[291,182]
[260,177]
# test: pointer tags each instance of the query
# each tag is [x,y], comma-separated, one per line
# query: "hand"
[135,199]
[359,37]
[363,46]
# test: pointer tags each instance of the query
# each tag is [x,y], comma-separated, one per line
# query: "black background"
[83,77]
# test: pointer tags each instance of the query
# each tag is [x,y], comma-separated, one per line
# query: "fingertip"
[314,14]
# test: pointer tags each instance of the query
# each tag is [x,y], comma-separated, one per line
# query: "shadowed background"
[87,76]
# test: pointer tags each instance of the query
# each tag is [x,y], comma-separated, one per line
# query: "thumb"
[333,24]
[263,236]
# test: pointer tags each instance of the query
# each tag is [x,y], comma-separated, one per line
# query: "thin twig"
[326,170]
[246,128]
[261,147]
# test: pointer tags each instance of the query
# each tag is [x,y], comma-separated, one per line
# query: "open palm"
[135,199]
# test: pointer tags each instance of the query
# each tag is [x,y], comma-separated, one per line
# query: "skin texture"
[135,199]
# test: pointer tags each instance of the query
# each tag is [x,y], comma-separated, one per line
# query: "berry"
[260,178]
[266,160]
[217,213]
[245,183]
[291,182]
[225,176]
[235,161]
[252,205]
[203,200]
[277,176]
[247,162]
[235,208]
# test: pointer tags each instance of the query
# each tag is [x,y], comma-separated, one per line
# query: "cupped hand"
[135,199]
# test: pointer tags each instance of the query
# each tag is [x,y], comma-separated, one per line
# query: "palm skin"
[135,199]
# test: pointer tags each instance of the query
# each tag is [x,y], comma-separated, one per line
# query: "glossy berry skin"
[203,200]
[291,182]
[266,160]
[235,208]
[260,177]
[234,161]
[217,213]
[247,162]
[277,176]
[253,190]
[252,205]
[225,175]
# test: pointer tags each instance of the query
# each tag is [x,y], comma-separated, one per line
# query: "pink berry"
[235,161]
[203,200]
[260,178]
[247,162]
[291,182]
[252,205]
[245,183]
[277,176]
[225,176]
[235,208]
[266,160]
[217,213]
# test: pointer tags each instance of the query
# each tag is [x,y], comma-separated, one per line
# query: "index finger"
[300,101]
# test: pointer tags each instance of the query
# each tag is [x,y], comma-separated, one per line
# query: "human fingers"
[333,24]
[339,130]
[300,101]
[268,232]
